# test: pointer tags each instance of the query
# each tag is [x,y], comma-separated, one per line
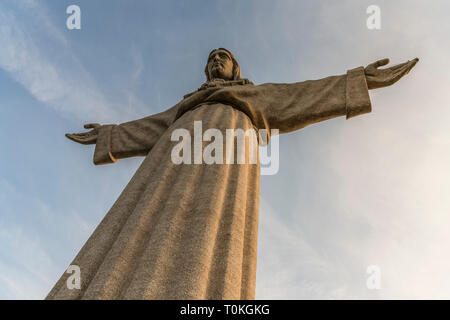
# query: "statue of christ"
[189,230]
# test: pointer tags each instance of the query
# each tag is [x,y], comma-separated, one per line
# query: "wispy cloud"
[29,265]
[49,70]
[374,189]
[26,272]
[292,266]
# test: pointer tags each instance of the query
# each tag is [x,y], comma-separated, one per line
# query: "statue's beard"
[217,72]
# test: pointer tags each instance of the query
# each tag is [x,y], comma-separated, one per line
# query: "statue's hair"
[236,68]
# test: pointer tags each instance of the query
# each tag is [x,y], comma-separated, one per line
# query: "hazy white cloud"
[49,70]
[380,182]
[27,273]
[135,105]
[28,268]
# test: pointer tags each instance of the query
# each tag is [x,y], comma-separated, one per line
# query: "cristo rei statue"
[189,231]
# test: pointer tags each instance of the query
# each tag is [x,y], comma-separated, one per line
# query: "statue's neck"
[218,82]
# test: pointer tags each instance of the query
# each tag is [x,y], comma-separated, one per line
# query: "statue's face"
[220,65]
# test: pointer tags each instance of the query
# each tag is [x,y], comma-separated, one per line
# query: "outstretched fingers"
[398,74]
[78,137]
[378,63]
[72,136]
[379,78]
[404,69]
[91,125]
[406,65]
[412,63]
[381,62]
[371,69]
[398,66]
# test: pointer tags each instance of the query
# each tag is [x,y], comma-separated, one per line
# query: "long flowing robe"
[189,231]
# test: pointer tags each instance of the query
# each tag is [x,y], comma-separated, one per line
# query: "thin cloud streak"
[65,86]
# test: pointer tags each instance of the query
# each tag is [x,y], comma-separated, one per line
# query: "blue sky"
[371,190]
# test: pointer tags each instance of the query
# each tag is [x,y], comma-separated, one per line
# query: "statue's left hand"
[89,137]
[379,78]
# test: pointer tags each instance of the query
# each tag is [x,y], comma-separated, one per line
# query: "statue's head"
[222,65]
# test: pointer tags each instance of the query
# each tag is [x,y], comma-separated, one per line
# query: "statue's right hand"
[89,137]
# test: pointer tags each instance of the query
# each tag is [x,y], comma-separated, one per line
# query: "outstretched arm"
[289,107]
[129,139]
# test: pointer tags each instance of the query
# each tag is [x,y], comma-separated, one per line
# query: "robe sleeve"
[289,107]
[130,139]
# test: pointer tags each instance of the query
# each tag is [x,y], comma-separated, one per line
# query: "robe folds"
[189,231]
